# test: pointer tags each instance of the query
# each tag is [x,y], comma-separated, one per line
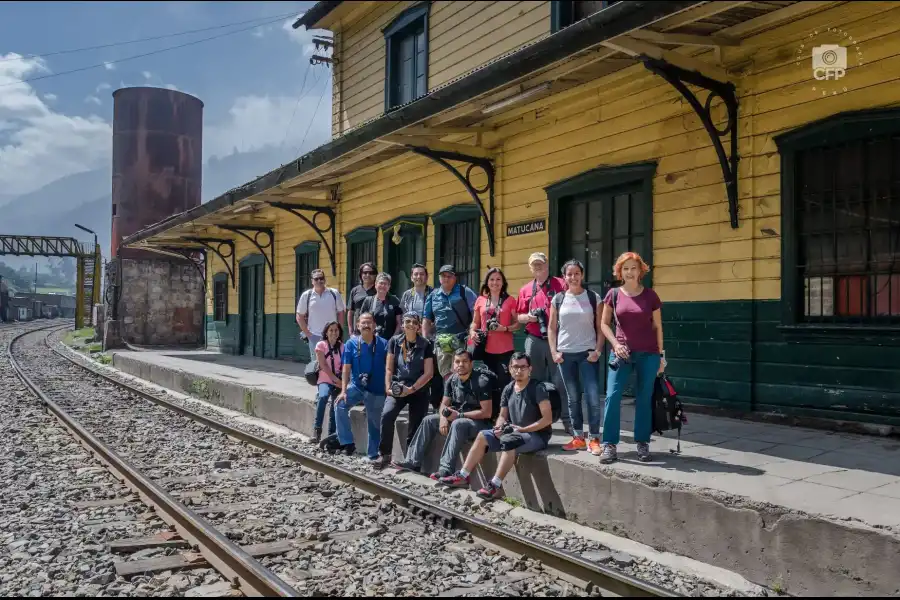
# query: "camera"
[615,362]
[446,413]
[396,389]
[379,331]
[493,324]
[364,380]
[541,315]
[508,429]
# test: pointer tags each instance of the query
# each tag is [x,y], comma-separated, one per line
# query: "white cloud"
[171,86]
[255,122]
[42,145]
[93,100]
[109,66]
[303,37]
[147,74]
[50,97]
[102,87]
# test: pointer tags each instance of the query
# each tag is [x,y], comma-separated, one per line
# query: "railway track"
[264,512]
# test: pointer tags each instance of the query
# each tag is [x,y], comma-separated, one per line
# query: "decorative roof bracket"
[314,224]
[215,245]
[678,77]
[268,242]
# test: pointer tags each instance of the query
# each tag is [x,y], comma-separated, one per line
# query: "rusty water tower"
[157,159]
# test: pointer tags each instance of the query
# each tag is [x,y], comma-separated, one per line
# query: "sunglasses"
[318,279]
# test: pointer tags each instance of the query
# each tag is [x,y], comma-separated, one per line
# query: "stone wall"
[161,303]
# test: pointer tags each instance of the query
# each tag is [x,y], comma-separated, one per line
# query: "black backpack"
[667,412]
[555,400]
[312,368]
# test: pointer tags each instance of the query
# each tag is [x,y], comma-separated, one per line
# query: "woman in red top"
[636,312]
[494,316]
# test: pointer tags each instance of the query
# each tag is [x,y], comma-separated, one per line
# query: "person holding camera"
[410,367]
[359,294]
[576,344]
[524,427]
[448,313]
[385,307]
[363,381]
[533,308]
[464,411]
[328,353]
[637,347]
[493,323]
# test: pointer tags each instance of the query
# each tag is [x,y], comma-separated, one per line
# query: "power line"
[313,118]
[136,56]
[300,97]
[149,39]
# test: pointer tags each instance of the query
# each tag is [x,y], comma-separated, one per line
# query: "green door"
[400,257]
[252,308]
[596,227]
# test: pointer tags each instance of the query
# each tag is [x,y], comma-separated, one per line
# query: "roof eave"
[311,18]
[608,23]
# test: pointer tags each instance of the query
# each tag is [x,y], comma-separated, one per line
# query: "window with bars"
[460,246]
[846,214]
[306,260]
[362,247]
[567,12]
[220,297]
[406,48]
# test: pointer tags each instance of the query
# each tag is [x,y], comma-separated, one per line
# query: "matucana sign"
[536,226]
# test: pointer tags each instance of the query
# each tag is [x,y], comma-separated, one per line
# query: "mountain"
[86,198]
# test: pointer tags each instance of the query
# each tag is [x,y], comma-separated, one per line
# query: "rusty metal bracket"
[314,224]
[191,255]
[487,214]
[215,245]
[267,244]
[678,77]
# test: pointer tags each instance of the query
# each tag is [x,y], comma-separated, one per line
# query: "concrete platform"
[806,511]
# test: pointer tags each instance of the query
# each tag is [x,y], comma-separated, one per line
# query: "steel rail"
[228,558]
[571,564]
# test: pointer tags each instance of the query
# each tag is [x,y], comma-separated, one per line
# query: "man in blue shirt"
[364,363]
[448,314]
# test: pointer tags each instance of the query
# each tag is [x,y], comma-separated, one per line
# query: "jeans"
[326,392]
[418,408]
[461,431]
[581,376]
[646,366]
[544,369]
[312,341]
[374,407]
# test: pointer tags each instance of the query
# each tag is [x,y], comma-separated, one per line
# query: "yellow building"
[748,150]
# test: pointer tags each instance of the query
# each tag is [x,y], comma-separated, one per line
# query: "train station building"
[750,151]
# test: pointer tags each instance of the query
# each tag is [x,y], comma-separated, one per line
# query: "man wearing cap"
[448,314]
[533,309]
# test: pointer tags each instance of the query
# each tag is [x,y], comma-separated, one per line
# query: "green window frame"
[406,56]
[457,241]
[362,247]
[840,254]
[220,297]
[306,260]
[568,12]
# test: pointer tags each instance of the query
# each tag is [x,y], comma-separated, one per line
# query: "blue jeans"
[374,407]
[646,366]
[325,393]
[581,376]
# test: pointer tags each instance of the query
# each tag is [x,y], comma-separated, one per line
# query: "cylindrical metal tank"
[157,159]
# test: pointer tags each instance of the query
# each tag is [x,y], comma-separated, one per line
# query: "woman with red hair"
[637,348]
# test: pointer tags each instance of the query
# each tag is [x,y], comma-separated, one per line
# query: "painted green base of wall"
[281,337]
[732,355]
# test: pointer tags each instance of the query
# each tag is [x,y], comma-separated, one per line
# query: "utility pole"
[35,277]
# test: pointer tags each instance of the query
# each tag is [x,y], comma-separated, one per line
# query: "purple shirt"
[635,316]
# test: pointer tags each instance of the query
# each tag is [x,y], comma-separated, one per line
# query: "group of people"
[419,353]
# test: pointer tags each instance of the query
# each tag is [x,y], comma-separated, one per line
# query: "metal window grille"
[848,217]
[306,263]
[220,298]
[461,247]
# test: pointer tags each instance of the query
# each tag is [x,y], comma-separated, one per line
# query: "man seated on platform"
[465,410]
[524,426]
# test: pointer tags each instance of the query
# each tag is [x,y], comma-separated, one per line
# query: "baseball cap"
[447,269]
[537,256]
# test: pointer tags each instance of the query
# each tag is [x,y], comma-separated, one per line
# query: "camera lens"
[446,412]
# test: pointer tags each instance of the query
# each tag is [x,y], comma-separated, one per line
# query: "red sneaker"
[455,481]
[576,444]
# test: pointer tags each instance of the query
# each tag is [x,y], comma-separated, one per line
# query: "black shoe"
[404,465]
[317,435]
[330,444]
[349,449]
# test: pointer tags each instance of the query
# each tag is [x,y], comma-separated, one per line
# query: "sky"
[251,82]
